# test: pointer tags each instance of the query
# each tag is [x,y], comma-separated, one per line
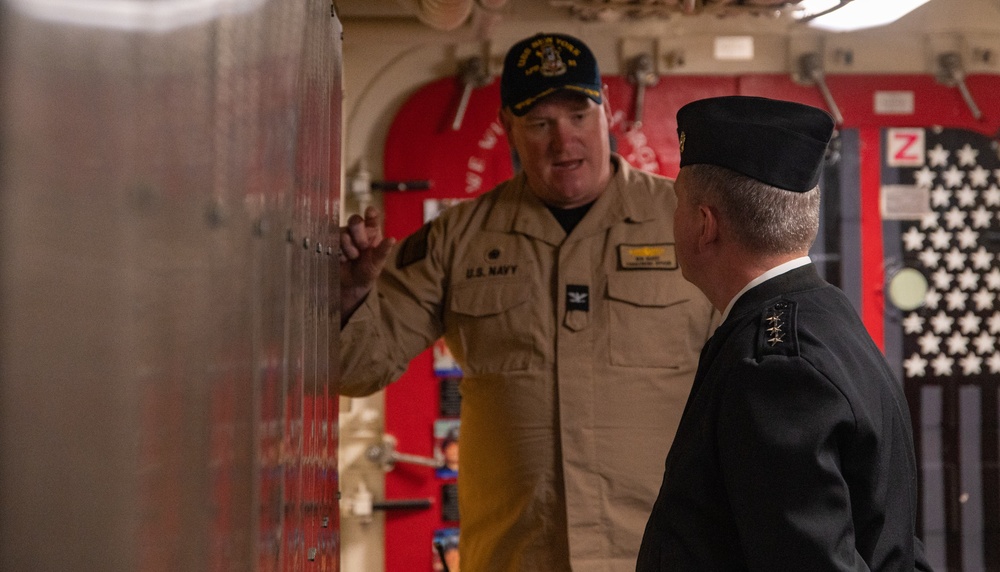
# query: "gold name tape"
[657,256]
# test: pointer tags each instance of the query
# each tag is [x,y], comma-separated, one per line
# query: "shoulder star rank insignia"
[776,334]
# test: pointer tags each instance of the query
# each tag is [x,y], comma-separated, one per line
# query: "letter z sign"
[905,147]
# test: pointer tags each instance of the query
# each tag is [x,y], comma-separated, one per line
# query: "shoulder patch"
[414,248]
[776,333]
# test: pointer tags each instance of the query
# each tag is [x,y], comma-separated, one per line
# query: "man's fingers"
[373,219]
[348,249]
[358,231]
[362,234]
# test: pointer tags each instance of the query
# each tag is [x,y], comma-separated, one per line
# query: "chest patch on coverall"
[577,297]
[647,256]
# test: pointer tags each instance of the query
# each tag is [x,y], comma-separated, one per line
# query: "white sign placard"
[905,202]
[734,48]
[894,103]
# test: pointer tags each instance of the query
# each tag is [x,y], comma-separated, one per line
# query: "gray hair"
[765,219]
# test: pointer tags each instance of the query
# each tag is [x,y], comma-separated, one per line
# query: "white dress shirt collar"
[776,271]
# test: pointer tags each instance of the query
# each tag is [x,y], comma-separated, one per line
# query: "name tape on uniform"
[647,256]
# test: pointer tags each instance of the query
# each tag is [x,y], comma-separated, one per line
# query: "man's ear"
[709,226]
[504,115]
[507,122]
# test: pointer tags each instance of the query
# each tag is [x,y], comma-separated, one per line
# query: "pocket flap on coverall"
[489,299]
[650,288]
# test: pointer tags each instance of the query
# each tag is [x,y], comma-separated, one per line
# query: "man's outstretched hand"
[363,253]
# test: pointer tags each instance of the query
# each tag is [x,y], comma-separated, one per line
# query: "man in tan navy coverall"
[559,294]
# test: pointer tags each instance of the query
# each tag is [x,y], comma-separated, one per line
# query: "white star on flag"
[967,238]
[938,156]
[913,238]
[929,343]
[967,155]
[994,363]
[984,299]
[940,197]
[930,258]
[966,196]
[932,299]
[968,280]
[978,176]
[955,259]
[913,323]
[924,177]
[969,323]
[981,259]
[971,364]
[992,196]
[984,343]
[993,279]
[942,279]
[981,217]
[955,218]
[956,299]
[953,177]
[994,323]
[916,366]
[942,364]
[958,344]
[929,220]
[942,322]
[940,239]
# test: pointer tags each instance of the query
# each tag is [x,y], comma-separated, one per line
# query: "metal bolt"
[215,214]
[260,227]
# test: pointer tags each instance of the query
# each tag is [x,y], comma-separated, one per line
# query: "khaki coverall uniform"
[577,354]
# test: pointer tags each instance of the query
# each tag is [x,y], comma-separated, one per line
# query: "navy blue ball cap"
[543,64]
[780,143]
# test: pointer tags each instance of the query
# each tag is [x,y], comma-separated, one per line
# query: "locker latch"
[386,455]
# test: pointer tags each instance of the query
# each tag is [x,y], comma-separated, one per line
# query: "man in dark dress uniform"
[795,449]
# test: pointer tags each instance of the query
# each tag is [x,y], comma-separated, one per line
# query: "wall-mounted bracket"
[810,72]
[951,73]
[474,74]
[642,72]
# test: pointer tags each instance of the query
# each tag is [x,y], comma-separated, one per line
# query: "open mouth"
[567,165]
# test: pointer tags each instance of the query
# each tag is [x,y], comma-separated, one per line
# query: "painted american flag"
[955,246]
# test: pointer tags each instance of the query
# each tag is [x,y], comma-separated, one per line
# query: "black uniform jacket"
[795,449]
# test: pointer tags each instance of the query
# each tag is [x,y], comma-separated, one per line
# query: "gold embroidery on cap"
[552,64]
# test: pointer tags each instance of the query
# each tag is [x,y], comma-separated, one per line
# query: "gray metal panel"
[165,338]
